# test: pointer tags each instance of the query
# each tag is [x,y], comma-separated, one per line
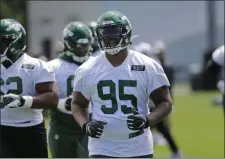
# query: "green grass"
[197,126]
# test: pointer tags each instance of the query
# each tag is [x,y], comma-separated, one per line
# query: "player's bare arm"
[47,96]
[80,112]
[163,105]
[79,108]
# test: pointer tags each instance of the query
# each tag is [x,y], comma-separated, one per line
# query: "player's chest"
[65,73]
[122,80]
[116,92]
[15,81]
[65,82]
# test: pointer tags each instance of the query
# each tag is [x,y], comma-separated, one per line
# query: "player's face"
[81,49]
[111,42]
[4,43]
[111,36]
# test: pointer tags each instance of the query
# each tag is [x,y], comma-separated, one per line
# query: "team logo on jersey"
[28,66]
[137,68]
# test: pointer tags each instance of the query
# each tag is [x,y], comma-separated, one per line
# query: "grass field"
[198,127]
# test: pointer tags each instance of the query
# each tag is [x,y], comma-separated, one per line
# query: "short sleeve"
[156,78]
[80,84]
[43,73]
[218,56]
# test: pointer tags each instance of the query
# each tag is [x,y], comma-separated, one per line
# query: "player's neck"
[8,63]
[118,59]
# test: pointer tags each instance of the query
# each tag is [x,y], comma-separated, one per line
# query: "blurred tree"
[14,9]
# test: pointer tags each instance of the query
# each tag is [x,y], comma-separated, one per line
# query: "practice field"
[198,126]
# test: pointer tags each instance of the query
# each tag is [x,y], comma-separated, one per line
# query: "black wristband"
[68,104]
[22,101]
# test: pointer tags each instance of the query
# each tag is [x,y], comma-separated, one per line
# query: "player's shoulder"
[140,57]
[97,53]
[35,63]
[148,63]
[55,63]
[87,67]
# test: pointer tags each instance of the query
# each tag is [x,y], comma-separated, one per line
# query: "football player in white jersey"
[27,86]
[95,47]
[66,139]
[218,56]
[118,84]
[218,59]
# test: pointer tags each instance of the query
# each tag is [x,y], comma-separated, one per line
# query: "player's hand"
[64,104]
[94,128]
[137,121]
[68,103]
[13,101]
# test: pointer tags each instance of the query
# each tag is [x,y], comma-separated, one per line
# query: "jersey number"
[112,95]
[69,85]
[17,80]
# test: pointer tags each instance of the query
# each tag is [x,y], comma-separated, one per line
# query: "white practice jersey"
[218,55]
[20,79]
[112,92]
[96,53]
[64,74]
